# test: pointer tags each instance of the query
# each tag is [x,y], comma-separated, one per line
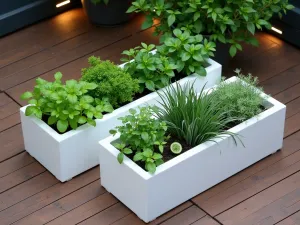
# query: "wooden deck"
[266,193]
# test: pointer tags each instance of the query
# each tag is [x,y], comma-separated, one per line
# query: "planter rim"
[61,137]
[270,103]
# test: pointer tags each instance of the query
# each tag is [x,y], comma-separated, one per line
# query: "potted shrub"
[191,144]
[228,23]
[69,148]
[107,12]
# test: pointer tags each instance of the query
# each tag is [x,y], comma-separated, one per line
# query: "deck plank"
[64,205]
[42,35]
[20,176]
[39,200]
[207,220]
[186,217]
[66,52]
[213,200]
[15,163]
[267,207]
[132,219]
[265,193]
[72,70]
[11,142]
[108,216]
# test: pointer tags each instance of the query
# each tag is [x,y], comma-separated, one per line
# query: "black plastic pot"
[222,55]
[112,14]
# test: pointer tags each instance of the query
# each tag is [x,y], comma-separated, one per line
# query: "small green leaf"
[131,9]
[132,111]
[151,167]
[150,85]
[251,28]
[147,23]
[32,101]
[62,126]
[26,95]
[91,122]
[82,120]
[232,50]
[138,156]
[200,71]
[73,124]
[98,115]
[52,120]
[289,7]
[30,110]
[120,157]
[171,19]
[145,136]
[159,162]
[157,156]
[113,132]
[58,76]
[72,98]
[148,153]
[127,151]
[161,148]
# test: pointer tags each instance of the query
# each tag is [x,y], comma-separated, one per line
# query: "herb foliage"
[66,105]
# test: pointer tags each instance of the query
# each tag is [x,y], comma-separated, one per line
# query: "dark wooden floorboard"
[266,193]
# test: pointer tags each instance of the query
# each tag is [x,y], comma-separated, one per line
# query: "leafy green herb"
[153,71]
[240,99]
[226,21]
[112,81]
[143,136]
[66,105]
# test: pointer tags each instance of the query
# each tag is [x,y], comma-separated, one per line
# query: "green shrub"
[154,71]
[191,117]
[226,21]
[66,105]
[143,136]
[239,99]
[113,82]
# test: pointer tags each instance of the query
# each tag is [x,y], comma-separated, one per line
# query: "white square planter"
[69,154]
[194,171]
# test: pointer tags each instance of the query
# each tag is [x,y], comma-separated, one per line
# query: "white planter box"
[67,155]
[194,171]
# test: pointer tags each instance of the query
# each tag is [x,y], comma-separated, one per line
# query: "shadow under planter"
[112,14]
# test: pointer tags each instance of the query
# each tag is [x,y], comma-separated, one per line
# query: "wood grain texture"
[266,193]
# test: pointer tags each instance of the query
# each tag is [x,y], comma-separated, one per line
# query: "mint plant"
[65,105]
[153,71]
[143,136]
[189,53]
[227,21]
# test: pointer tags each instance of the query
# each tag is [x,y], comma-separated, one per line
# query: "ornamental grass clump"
[112,81]
[191,117]
[240,99]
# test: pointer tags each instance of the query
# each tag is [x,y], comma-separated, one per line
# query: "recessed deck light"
[62,3]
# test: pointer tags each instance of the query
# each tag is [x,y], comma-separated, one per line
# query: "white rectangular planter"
[194,171]
[69,154]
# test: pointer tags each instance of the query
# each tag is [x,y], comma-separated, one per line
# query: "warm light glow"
[276,30]
[63,3]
